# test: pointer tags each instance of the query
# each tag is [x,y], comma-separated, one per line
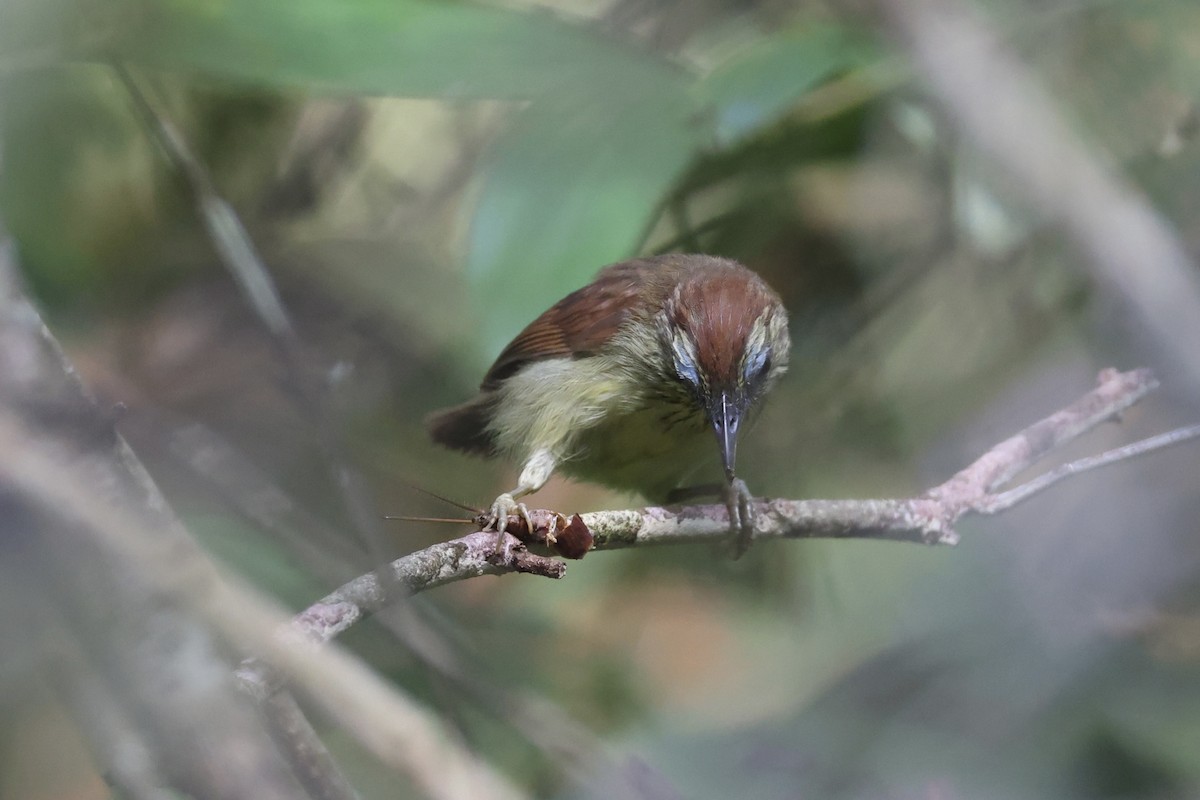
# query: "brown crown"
[718,306]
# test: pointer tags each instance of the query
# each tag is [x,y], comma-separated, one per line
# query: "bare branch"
[1114,393]
[929,518]
[447,562]
[1006,500]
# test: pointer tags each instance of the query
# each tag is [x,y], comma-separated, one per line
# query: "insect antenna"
[474,511]
[406,518]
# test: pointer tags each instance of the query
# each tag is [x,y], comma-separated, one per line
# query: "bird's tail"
[465,427]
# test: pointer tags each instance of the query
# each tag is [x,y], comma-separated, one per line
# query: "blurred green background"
[424,178]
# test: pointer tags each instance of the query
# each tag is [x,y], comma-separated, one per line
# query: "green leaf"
[566,189]
[415,48]
[759,84]
[569,188]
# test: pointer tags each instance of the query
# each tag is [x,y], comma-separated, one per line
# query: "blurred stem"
[63,467]
[1130,251]
[238,253]
[441,769]
[241,258]
[116,742]
[397,730]
[315,768]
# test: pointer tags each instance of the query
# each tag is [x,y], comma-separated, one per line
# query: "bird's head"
[725,335]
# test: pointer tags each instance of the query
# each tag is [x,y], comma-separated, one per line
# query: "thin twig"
[1115,392]
[1006,500]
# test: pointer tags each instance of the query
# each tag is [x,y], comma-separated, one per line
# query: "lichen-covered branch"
[469,557]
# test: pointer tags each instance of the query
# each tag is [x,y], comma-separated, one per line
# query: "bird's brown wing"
[581,322]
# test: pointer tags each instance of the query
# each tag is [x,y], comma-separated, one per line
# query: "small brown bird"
[624,381]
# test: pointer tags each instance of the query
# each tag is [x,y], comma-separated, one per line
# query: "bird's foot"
[740,503]
[505,506]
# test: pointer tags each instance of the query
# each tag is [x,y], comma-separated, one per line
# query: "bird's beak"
[725,414]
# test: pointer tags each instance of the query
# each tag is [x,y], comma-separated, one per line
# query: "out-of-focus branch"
[1134,255]
[311,762]
[580,754]
[275,512]
[396,730]
[158,663]
[117,743]
[144,589]
[241,258]
[929,518]
[324,550]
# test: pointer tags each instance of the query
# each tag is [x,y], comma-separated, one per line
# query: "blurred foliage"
[425,177]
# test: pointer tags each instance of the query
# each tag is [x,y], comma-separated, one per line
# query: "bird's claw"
[740,503]
[504,506]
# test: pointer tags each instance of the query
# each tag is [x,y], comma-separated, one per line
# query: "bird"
[625,382]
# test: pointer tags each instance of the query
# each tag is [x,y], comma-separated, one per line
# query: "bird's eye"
[758,364]
[685,364]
